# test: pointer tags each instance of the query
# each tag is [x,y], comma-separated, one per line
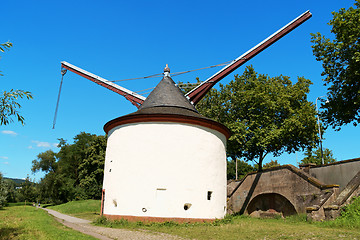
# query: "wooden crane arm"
[199,92]
[133,97]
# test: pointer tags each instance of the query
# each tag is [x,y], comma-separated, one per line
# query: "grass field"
[20,222]
[241,227]
[30,223]
[86,209]
[233,227]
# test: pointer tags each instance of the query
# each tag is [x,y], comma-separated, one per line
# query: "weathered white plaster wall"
[154,169]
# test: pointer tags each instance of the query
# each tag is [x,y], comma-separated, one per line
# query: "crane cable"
[174,74]
[63,72]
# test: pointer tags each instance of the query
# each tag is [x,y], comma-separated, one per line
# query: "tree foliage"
[5,46]
[272,163]
[314,156]
[242,167]
[3,192]
[10,185]
[27,191]
[45,162]
[91,170]
[9,106]
[75,172]
[9,100]
[266,115]
[340,59]
[9,191]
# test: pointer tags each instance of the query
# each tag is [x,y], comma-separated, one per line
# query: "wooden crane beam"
[134,98]
[199,92]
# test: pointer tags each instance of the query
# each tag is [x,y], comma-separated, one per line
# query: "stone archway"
[271,203]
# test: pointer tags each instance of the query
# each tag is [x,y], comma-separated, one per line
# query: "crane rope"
[144,90]
[63,72]
[174,74]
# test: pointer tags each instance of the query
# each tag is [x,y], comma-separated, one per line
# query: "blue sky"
[125,39]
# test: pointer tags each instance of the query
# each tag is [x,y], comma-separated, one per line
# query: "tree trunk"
[261,158]
[236,168]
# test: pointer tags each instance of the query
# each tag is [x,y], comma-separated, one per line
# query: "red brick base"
[156,219]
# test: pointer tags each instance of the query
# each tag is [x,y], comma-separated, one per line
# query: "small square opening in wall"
[209,193]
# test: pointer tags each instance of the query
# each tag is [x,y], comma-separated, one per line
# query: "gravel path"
[103,233]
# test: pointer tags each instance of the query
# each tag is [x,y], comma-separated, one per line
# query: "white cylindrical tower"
[165,162]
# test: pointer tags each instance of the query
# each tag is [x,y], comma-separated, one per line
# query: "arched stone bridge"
[284,189]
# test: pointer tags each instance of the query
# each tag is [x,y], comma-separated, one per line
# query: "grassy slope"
[20,222]
[86,209]
[245,228]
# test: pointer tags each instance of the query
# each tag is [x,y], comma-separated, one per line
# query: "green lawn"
[236,227]
[240,227]
[20,222]
[86,209]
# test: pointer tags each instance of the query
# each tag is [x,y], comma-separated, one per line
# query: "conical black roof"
[167,103]
[167,94]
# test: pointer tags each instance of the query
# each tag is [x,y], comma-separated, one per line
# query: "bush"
[349,217]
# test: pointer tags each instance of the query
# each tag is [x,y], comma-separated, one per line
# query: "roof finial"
[167,71]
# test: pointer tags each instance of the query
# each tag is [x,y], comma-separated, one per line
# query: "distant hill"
[16,180]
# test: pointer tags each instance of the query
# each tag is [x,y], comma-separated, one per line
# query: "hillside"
[16,180]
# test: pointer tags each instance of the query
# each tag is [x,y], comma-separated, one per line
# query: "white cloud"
[3,157]
[43,144]
[8,132]
[6,163]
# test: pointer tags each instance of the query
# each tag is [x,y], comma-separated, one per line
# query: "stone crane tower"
[165,161]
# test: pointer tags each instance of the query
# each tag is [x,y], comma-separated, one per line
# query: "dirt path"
[103,233]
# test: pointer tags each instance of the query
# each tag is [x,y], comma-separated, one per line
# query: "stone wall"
[339,173]
[282,189]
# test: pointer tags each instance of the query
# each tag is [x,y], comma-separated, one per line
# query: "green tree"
[272,163]
[11,190]
[3,192]
[91,170]
[187,87]
[27,191]
[266,115]
[9,104]
[314,156]
[75,172]
[340,59]
[72,155]
[3,47]
[242,167]
[52,187]
[45,162]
